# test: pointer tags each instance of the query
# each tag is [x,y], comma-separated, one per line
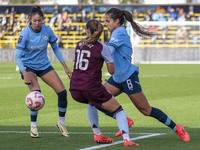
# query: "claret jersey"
[88,64]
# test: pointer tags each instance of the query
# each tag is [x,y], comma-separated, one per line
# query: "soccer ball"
[35,100]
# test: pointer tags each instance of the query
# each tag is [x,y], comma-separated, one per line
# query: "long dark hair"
[123,15]
[96,29]
[36,10]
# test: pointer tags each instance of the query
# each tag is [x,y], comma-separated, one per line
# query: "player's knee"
[106,112]
[145,112]
[111,114]
[62,99]
[118,110]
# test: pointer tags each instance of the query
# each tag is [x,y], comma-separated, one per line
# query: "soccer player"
[85,84]
[125,79]
[31,58]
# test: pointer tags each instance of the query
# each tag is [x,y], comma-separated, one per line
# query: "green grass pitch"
[174,88]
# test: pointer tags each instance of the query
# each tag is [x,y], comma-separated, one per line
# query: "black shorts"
[130,86]
[39,73]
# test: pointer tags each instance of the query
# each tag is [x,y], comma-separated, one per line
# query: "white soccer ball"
[35,100]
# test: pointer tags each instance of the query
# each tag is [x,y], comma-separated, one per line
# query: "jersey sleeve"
[57,52]
[23,37]
[21,45]
[52,37]
[54,45]
[117,38]
[112,49]
[106,54]
[18,56]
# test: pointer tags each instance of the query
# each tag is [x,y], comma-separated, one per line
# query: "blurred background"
[176,25]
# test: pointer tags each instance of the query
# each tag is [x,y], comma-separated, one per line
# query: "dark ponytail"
[123,15]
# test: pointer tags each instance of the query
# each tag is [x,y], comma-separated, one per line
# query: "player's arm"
[112,49]
[18,56]
[60,58]
[56,50]
[108,60]
[111,68]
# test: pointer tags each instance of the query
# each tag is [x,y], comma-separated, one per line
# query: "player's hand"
[68,72]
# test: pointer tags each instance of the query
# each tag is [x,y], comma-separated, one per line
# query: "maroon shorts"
[95,96]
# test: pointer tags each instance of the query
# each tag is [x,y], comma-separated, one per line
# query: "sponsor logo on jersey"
[114,39]
[20,39]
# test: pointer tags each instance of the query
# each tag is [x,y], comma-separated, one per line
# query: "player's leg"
[94,123]
[33,86]
[93,119]
[115,91]
[53,80]
[141,103]
[114,107]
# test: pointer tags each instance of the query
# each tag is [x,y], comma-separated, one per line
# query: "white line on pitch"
[119,142]
[70,132]
[145,135]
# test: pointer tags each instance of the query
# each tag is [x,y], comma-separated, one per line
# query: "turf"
[173,88]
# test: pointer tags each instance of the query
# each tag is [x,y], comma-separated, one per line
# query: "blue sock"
[33,115]
[38,90]
[162,117]
[62,103]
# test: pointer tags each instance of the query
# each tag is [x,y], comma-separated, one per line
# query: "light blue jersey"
[120,40]
[31,49]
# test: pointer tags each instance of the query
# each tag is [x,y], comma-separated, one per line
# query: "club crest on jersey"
[20,39]
[90,45]
[45,37]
